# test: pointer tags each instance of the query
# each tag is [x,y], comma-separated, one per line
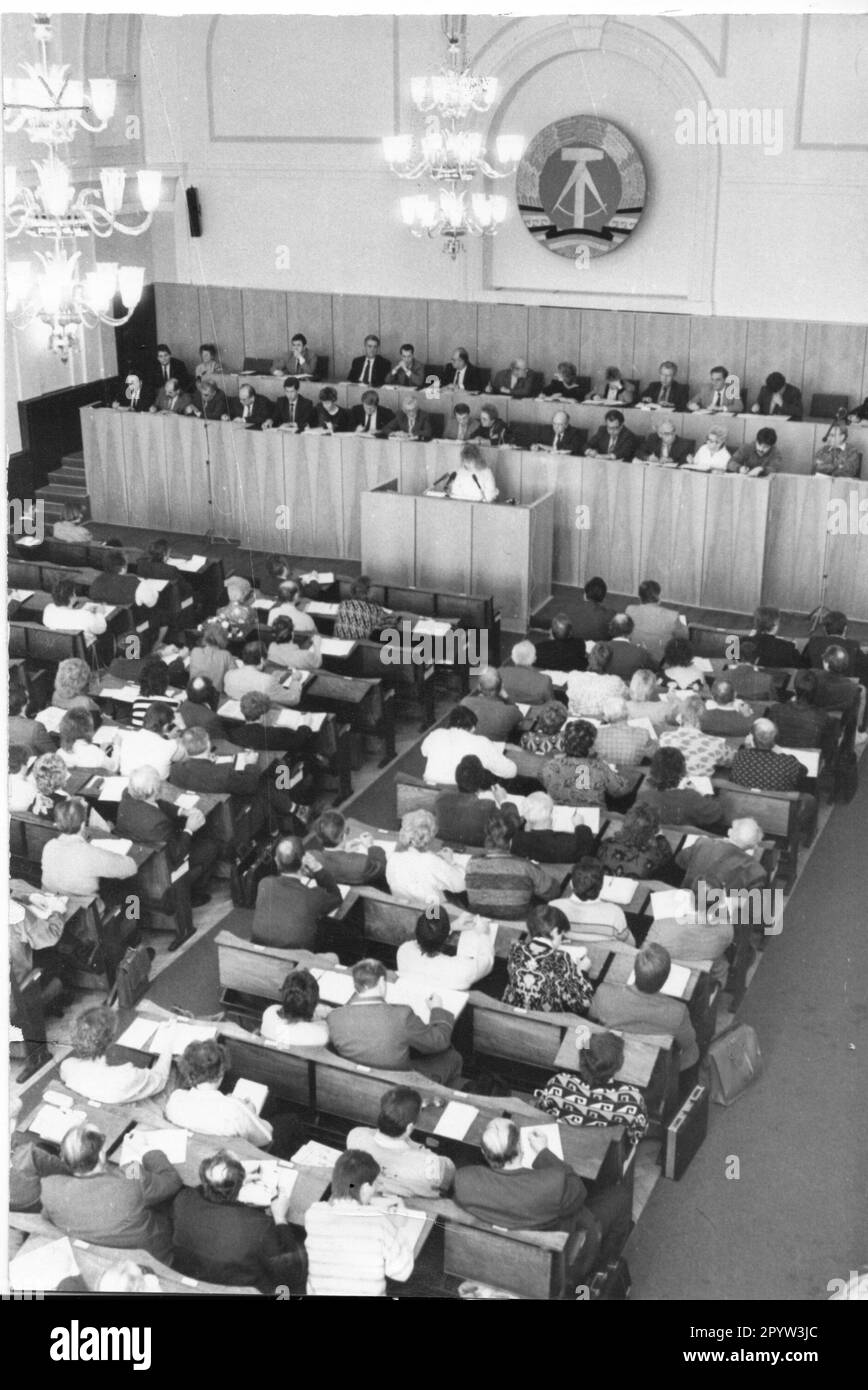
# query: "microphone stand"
[212,536]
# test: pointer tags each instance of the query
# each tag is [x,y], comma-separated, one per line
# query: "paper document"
[253,1091]
[114,846]
[618,890]
[230,709]
[191,565]
[456,1120]
[431,627]
[322,610]
[187,802]
[808,757]
[52,1123]
[43,1268]
[265,1180]
[704,664]
[522,709]
[643,723]
[128,693]
[112,788]
[50,718]
[558,678]
[293,719]
[336,646]
[171,1142]
[334,987]
[176,1034]
[676,981]
[20,595]
[699,784]
[552,1135]
[672,902]
[409,990]
[314,578]
[566,818]
[264,605]
[42,905]
[689,841]
[139,1033]
[316,1155]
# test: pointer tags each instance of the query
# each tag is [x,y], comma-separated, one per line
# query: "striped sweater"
[352,1250]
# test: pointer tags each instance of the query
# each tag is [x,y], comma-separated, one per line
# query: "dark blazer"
[268,738]
[567,654]
[114,588]
[305,413]
[109,1209]
[201,775]
[591,622]
[498,433]
[576,392]
[423,428]
[177,369]
[792,399]
[679,394]
[726,723]
[162,403]
[380,370]
[195,716]
[339,423]
[474,379]
[214,408]
[651,444]
[625,446]
[766,650]
[146,399]
[554,846]
[628,658]
[812,654]
[381,419]
[262,410]
[230,1242]
[547,1197]
[464,817]
[153,825]
[378,1034]
[496,718]
[288,913]
[572,440]
[351,866]
[529,385]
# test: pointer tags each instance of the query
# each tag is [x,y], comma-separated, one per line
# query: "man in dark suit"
[516,380]
[563,652]
[200,772]
[834,634]
[836,690]
[369,417]
[411,422]
[371,369]
[260,733]
[613,439]
[547,1196]
[290,904]
[392,1037]
[724,716]
[628,657]
[461,374]
[250,409]
[778,397]
[664,446]
[591,620]
[115,585]
[763,647]
[799,723]
[142,817]
[166,368]
[136,396]
[667,391]
[209,402]
[539,842]
[293,410]
[348,861]
[497,717]
[561,438]
[199,710]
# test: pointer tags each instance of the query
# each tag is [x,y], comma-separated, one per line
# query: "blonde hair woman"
[417,873]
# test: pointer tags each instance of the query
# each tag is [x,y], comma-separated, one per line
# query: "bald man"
[561,438]
[763,768]
[497,717]
[724,715]
[521,682]
[149,820]
[563,652]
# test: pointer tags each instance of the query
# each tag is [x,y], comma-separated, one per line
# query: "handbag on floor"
[733,1061]
[133,977]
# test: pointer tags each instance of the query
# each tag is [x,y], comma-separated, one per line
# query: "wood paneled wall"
[818,357]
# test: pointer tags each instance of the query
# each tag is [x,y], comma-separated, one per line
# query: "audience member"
[702,752]
[294,1022]
[637,850]
[764,647]
[291,904]
[723,716]
[89,1071]
[521,681]
[353,1246]
[592,1096]
[464,812]
[426,959]
[444,748]
[414,871]
[407,1169]
[654,625]
[642,1008]
[587,691]
[374,1033]
[588,916]
[676,804]
[496,716]
[542,976]
[201,1106]
[70,864]
[563,651]
[501,885]
[619,742]
[577,777]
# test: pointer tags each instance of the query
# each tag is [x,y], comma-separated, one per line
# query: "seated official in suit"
[349,858]
[473,481]
[563,651]
[516,380]
[88,1071]
[251,676]
[521,682]
[293,412]
[70,528]
[628,654]
[407,371]
[564,438]
[612,386]
[654,625]
[591,619]
[763,646]
[588,917]
[618,741]
[723,715]
[407,1169]
[549,1196]
[143,818]
[137,395]
[392,1037]
[371,369]
[491,428]
[444,748]
[667,391]
[463,811]
[837,458]
[703,753]
[539,842]
[565,384]
[290,904]
[461,375]
[712,456]
[200,772]
[165,367]
[543,976]
[778,397]
[369,417]
[641,1008]
[638,850]
[297,1020]
[358,618]
[834,634]
[613,439]
[410,422]
[250,409]
[171,400]
[677,804]
[424,958]
[199,1104]
[593,1096]
[576,776]
[70,864]
[496,716]
[500,884]
[714,396]
[353,1245]
[760,458]
[199,709]
[115,585]
[588,690]
[331,417]
[415,872]
[460,424]
[302,360]
[223,1240]
[665,446]
[106,1206]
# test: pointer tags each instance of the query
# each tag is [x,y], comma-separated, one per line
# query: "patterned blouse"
[580,781]
[623,860]
[542,977]
[575,1101]
[538,742]
[702,752]
[357,619]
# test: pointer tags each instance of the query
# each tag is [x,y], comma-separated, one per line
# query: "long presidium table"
[711,541]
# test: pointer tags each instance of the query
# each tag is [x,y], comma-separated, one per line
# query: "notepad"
[297,678]
[566,818]
[689,841]
[294,719]
[177,1034]
[644,724]
[138,1034]
[408,990]
[171,653]
[230,709]
[676,981]
[334,987]
[187,802]
[171,1142]
[430,627]
[557,678]
[112,788]
[20,595]
[50,718]
[808,757]
[44,1268]
[552,1136]
[190,565]
[456,1120]
[253,1091]
[704,664]
[314,578]
[245,760]
[128,693]
[265,1180]
[317,609]
[703,785]
[672,902]
[53,1123]
[42,905]
[336,646]
[618,890]
[118,846]
[316,1155]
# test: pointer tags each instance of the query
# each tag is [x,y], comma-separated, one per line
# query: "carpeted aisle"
[797,1216]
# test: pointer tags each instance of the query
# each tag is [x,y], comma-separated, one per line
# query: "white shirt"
[594,921]
[418,876]
[94,1078]
[84,754]
[299,1034]
[463,487]
[144,748]
[708,462]
[301,621]
[444,749]
[473,960]
[207,1111]
[406,1168]
[20,793]
[60,619]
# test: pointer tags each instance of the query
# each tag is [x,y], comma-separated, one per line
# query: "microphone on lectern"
[479,485]
[446,478]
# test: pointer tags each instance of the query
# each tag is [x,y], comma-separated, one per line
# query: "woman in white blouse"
[292,1023]
[415,872]
[61,616]
[473,958]
[77,748]
[473,481]
[712,456]
[87,1069]
[202,1107]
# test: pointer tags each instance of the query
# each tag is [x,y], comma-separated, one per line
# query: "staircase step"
[74,460]
[62,476]
[63,492]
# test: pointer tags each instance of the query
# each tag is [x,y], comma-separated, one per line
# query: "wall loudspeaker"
[194,212]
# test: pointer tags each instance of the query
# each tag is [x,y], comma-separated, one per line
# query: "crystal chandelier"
[451,155]
[52,108]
